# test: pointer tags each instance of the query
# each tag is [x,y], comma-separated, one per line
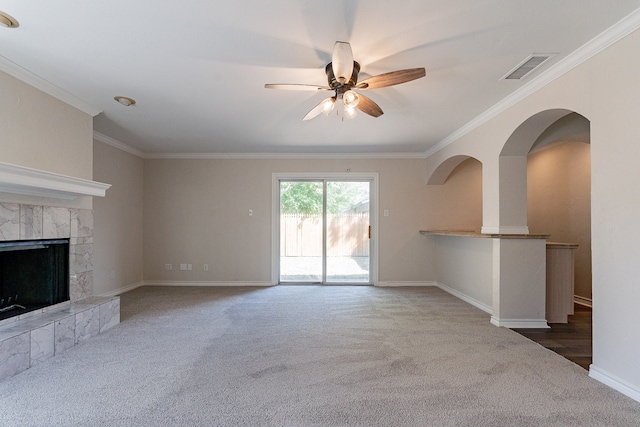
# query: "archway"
[559,192]
[564,200]
[510,214]
[558,177]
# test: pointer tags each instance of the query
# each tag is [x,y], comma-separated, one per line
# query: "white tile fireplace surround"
[30,338]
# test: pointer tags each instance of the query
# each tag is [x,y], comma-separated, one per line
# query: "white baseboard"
[474,302]
[404,284]
[614,382]
[122,290]
[196,283]
[587,302]
[520,323]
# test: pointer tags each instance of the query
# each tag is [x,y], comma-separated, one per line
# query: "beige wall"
[196,212]
[559,202]
[117,224]
[615,201]
[41,132]
[603,89]
[474,282]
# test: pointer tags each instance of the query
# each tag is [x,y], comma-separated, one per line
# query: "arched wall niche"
[444,169]
[504,207]
[525,136]
[539,129]
[571,128]
[455,195]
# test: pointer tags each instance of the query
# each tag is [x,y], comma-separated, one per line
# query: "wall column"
[504,197]
[519,280]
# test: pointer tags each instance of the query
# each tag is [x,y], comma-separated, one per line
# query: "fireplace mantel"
[32,182]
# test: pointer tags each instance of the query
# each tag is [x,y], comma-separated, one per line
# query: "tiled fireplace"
[29,338]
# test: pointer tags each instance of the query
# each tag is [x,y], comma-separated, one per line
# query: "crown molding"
[613,34]
[119,145]
[47,87]
[281,156]
[269,156]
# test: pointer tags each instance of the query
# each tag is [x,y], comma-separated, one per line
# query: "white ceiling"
[197,68]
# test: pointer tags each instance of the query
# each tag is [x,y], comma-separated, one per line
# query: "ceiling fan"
[342,75]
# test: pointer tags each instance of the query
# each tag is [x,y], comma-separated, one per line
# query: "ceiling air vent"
[527,66]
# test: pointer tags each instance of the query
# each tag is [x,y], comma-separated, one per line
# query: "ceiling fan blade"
[342,61]
[286,86]
[367,106]
[392,78]
[316,110]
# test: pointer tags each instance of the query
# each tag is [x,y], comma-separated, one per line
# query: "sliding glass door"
[325,231]
[347,232]
[301,231]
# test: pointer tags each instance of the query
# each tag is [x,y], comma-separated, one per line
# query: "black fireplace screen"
[33,274]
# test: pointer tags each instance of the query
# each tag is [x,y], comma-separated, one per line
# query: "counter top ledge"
[562,245]
[480,235]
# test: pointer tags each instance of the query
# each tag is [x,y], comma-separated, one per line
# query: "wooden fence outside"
[347,234]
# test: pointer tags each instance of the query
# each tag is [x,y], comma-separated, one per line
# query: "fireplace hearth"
[53,245]
[34,274]
[46,262]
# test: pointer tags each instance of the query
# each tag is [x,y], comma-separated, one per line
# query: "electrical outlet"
[168,266]
[206,267]
[385,212]
[113,274]
[183,267]
[189,267]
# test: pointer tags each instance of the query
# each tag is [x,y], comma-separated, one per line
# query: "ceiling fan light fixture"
[8,21]
[349,112]
[342,60]
[350,99]
[328,105]
[342,77]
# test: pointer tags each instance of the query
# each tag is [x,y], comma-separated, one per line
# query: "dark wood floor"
[571,340]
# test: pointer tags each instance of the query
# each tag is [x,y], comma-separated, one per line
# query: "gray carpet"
[307,356]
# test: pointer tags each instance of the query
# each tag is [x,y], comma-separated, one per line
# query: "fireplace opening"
[33,274]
